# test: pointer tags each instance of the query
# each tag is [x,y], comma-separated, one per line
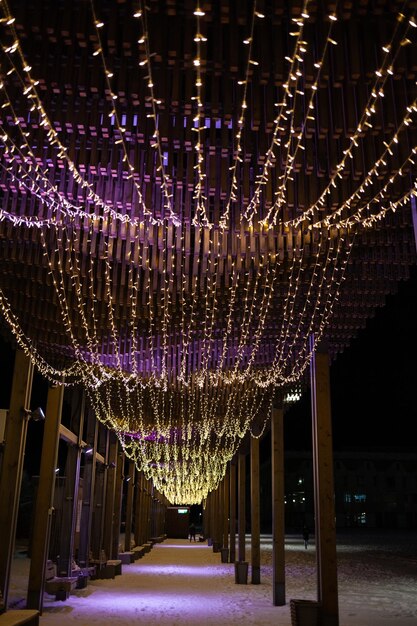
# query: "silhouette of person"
[306,536]
[191,532]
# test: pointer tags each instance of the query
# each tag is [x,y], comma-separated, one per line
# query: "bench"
[159,539]
[112,568]
[83,574]
[107,568]
[58,586]
[17,617]
[127,557]
[138,552]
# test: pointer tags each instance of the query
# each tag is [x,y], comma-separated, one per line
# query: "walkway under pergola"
[201,205]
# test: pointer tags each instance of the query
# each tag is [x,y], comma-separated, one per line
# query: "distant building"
[373,489]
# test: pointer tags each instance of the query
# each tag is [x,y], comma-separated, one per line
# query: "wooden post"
[89,482]
[255,511]
[129,505]
[138,509]
[232,556]
[147,510]
[72,482]
[12,466]
[110,495]
[154,508]
[325,531]
[218,517]
[414,217]
[212,516]
[220,509]
[226,506]
[206,517]
[144,512]
[117,511]
[45,498]
[97,530]
[242,506]
[278,511]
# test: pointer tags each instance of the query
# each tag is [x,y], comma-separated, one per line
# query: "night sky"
[373,382]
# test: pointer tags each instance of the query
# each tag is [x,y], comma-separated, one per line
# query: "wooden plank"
[278,510]
[241,505]
[12,465]
[255,512]
[129,504]
[325,533]
[45,498]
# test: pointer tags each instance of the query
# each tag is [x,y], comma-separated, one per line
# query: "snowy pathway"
[179,583]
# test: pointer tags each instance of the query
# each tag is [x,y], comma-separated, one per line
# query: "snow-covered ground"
[180,583]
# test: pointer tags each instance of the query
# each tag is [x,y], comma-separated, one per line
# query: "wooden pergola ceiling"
[192,196]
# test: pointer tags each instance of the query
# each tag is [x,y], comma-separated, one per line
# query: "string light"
[177,357]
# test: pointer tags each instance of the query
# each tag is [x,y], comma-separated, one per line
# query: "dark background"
[373,382]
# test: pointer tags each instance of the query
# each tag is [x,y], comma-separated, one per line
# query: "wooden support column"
[212,516]
[325,531]
[97,532]
[154,516]
[206,512]
[219,516]
[69,511]
[144,512]
[207,518]
[226,506]
[150,510]
[278,511]
[414,217]
[232,556]
[110,495]
[89,481]
[220,509]
[146,509]
[242,506]
[72,483]
[12,465]
[45,498]
[129,504]
[255,511]
[138,509]
[117,511]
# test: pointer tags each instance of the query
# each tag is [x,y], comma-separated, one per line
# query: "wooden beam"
[414,218]
[278,511]
[72,483]
[89,481]
[226,509]
[232,556]
[242,505]
[110,495]
[12,466]
[138,509]
[97,528]
[325,531]
[129,505]
[117,512]
[255,512]
[45,498]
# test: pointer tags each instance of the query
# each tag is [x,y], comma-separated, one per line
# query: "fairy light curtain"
[177,218]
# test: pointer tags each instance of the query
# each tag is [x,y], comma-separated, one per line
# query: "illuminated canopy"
[188,192]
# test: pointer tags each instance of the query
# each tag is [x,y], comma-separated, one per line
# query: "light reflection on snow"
[177,570]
